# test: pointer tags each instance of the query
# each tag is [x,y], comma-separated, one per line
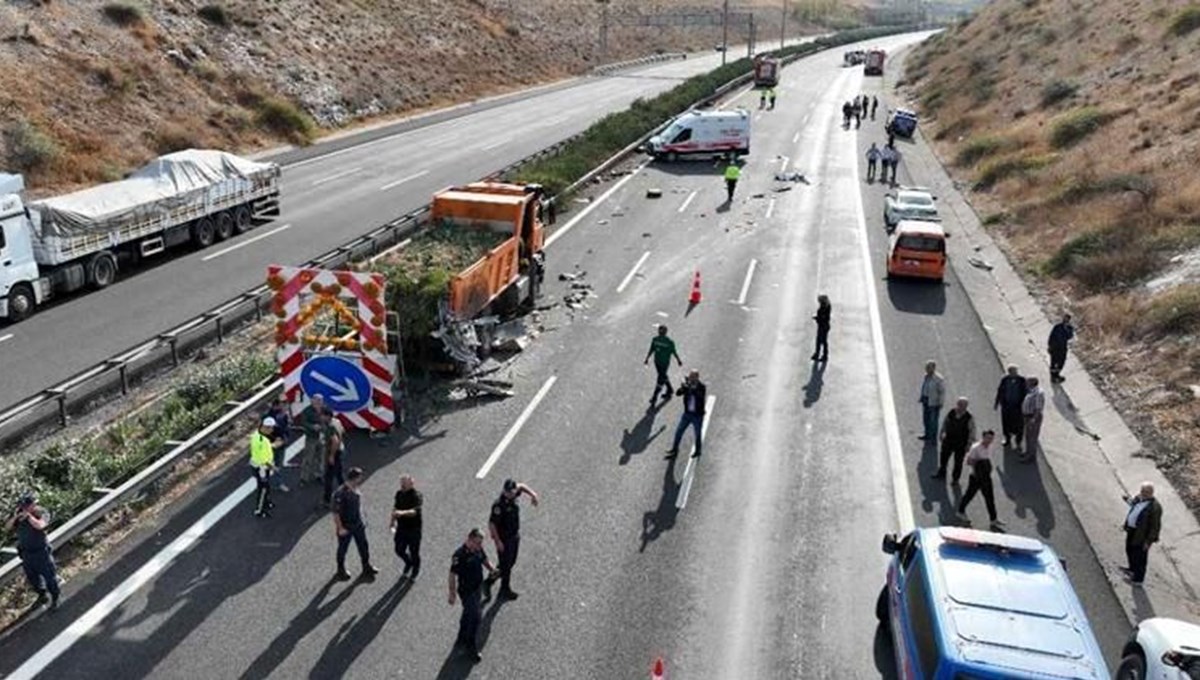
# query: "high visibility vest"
[262,454]
[733,172]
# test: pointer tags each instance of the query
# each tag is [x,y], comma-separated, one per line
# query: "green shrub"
[285,119]
[1176,311]
[978,148]
[29,148]
[215,15]
[124,13]
[1116,269]
[1070,128]
[996,218]
[1185,21]
[1077,249]
[1000,169]
[1080,190]
[173,137]
[1056,90]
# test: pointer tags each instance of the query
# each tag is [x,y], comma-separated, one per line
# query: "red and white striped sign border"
[362,294]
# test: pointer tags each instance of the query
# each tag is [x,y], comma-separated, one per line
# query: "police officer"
[29,522]
[505,527]
[263,443]
[732,174]
[406,522]
[771,98]
[350,526]
[466,580]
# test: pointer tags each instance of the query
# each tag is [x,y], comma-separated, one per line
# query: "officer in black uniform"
[466,580]
[505,527]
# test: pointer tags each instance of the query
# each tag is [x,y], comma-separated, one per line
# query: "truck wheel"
[204,232]
[224,226]
[242,219]
[102,270]
[21,302]
[1133,667]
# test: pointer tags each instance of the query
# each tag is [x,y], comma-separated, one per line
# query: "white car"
[1161,649]
[909,203]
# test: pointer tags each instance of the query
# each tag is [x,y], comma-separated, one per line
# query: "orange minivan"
[917,249]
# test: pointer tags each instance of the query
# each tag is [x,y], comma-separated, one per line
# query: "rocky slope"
[1078,126]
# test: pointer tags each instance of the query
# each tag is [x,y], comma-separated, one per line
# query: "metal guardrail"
[622,65]
[212,323]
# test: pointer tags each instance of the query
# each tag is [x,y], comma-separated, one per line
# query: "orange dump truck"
[510,273]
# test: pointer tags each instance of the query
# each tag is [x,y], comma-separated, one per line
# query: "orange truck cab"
[515,268]
[917,249]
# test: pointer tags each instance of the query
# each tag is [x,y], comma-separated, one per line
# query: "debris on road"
[618,212]
[980,263]
[653,192]
[568,276]
[791,177]
[584,200]
[645,234]
[758,195]
[602,222]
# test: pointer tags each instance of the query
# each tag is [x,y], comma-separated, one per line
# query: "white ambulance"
[703,132]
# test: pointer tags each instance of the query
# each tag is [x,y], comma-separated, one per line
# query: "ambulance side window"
[2,242]
[683,135]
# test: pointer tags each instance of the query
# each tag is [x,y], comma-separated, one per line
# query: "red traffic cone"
[659,672]
[694,298]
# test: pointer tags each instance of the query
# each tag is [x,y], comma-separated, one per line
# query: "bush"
[1116,269]
[215,15]
[999,169]
[171,138]
[1078,248]
[1186,20]
[1175,312]
[1080,190]
[124,13]
[1055,91]
[29,148]
[1070,128]
[285,119]
[978,148]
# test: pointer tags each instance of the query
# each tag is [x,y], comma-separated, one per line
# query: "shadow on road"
[1022,484]
[638,439]
[662,518]
[917,297]
[457,665]
[936,491]
[812,391]
[356,634]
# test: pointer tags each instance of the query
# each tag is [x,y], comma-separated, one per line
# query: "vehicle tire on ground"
[672,157]
[225,225]
[102,270]
[204,232]
[243,220]
[21,302]
[881,606]
[1133,667]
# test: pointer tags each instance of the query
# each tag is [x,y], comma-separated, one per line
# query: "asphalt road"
[327,201]
[758,560]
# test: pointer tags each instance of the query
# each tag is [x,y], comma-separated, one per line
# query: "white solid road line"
[891,428]
[688,201]
[516,427]
[495,144]
[156,565]
[796,137]
[402,180]
[783,161]
[689,473]
[243,244]
[6,337]
[336,175]
[633,272]
[592,206]
[770,208]
[746,284]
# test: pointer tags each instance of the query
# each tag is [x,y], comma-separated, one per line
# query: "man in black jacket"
[406,522]
[1060,339]
[694,394]
[1142,525]
[824,311]
[1009,396]
[958,432]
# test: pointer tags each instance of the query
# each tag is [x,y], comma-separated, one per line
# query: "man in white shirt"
[979,459]
[1031,409]
[933,395]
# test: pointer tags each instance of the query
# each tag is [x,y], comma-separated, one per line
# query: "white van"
[703,132]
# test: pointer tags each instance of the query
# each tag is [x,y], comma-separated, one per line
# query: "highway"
[327,200]
[760,559]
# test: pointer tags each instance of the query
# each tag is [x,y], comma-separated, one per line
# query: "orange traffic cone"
[660,670]
[694,298]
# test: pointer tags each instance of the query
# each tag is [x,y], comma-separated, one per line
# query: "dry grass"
[1117,199]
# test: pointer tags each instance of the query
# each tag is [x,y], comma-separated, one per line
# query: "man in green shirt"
[663,348]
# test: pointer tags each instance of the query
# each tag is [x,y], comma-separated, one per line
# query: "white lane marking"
[402,180]
[633,272]
[770,208]
[783,161]
[746,284]
[493,145]
[156,565]
[891,429]
[592,206]
[689,473]
[688,201]
[516,427]
[6,337]
[336,175]
[796,137]
[243,244]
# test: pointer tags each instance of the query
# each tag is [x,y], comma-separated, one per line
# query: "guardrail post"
[61,395]
[174,351]
[124,378]
[220,329]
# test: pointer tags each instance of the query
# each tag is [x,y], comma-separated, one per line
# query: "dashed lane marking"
[746,284]
[336,175]
[243,244]
[688,201]
[402,180]
[633,272]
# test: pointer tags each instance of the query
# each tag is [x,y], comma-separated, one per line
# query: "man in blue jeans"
[350,526]
[694,394]
[933,395]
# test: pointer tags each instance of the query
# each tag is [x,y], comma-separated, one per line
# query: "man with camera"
[29,523]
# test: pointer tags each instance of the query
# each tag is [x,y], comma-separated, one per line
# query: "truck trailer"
[873,64]
[766,71]
[58,245]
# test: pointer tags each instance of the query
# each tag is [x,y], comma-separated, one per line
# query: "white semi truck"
[62,244]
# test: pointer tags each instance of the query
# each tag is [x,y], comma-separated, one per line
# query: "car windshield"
[916,200]
[925,244]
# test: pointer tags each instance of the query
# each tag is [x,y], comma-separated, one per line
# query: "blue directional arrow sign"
[341,382]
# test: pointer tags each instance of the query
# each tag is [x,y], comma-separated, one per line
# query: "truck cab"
[20,289]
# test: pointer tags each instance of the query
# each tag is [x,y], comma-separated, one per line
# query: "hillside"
[90,89]
[1077,125]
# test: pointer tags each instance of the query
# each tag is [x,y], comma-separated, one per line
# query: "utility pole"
[724,32]
[783,25]
[604,31]
[750,43]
